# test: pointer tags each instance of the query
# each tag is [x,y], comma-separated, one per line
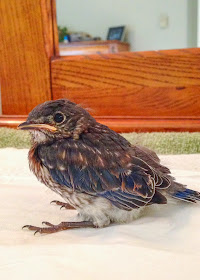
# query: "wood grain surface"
[27,43]
[141,84]
[128,91]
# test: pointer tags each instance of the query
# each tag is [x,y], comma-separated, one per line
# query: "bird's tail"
[187,195]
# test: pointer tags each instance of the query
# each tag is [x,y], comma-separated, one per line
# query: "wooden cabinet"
[128,91]
[93,47]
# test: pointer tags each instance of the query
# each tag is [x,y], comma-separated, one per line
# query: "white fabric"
[162,244]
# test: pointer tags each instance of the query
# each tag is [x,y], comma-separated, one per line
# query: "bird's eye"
[58,117]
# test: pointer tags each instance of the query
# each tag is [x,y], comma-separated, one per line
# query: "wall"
[192,15]
[140,16]
[198,24]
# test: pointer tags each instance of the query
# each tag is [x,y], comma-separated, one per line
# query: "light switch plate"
[164,21]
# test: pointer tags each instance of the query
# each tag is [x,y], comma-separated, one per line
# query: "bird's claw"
[54,201]
[62,204]
[37,229]
[50,229]
[62,226]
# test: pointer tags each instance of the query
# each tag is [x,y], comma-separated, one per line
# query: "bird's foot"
[62,226]
[62,204]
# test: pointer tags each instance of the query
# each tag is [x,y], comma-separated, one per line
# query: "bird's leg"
[63,204]
[62,226]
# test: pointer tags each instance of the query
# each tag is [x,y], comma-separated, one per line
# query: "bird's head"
[57,119]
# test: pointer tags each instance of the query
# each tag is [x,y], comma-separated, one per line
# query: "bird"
[94,169]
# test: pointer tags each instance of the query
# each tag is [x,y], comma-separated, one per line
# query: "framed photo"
[116,33]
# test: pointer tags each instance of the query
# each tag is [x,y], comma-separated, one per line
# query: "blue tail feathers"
[187,195]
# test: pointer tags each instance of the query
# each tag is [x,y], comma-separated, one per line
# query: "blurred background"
[149,24]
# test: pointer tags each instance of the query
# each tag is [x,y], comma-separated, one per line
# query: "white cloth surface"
[162,244]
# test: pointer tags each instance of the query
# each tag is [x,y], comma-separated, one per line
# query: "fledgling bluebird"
[94,169]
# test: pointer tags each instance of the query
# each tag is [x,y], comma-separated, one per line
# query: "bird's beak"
[29,126]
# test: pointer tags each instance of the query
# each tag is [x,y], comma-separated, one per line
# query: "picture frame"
[116,33]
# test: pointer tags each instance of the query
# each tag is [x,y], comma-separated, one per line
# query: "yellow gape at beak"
[29,126]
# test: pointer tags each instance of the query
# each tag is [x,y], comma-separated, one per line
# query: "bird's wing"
[150,157]
[127,181]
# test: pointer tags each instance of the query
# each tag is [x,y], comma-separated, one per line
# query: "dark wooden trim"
[128,124]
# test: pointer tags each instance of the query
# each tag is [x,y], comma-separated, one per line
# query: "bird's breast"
[40,171]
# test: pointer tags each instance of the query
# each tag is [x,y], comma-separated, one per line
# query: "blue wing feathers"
[87,180]
[125,188]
